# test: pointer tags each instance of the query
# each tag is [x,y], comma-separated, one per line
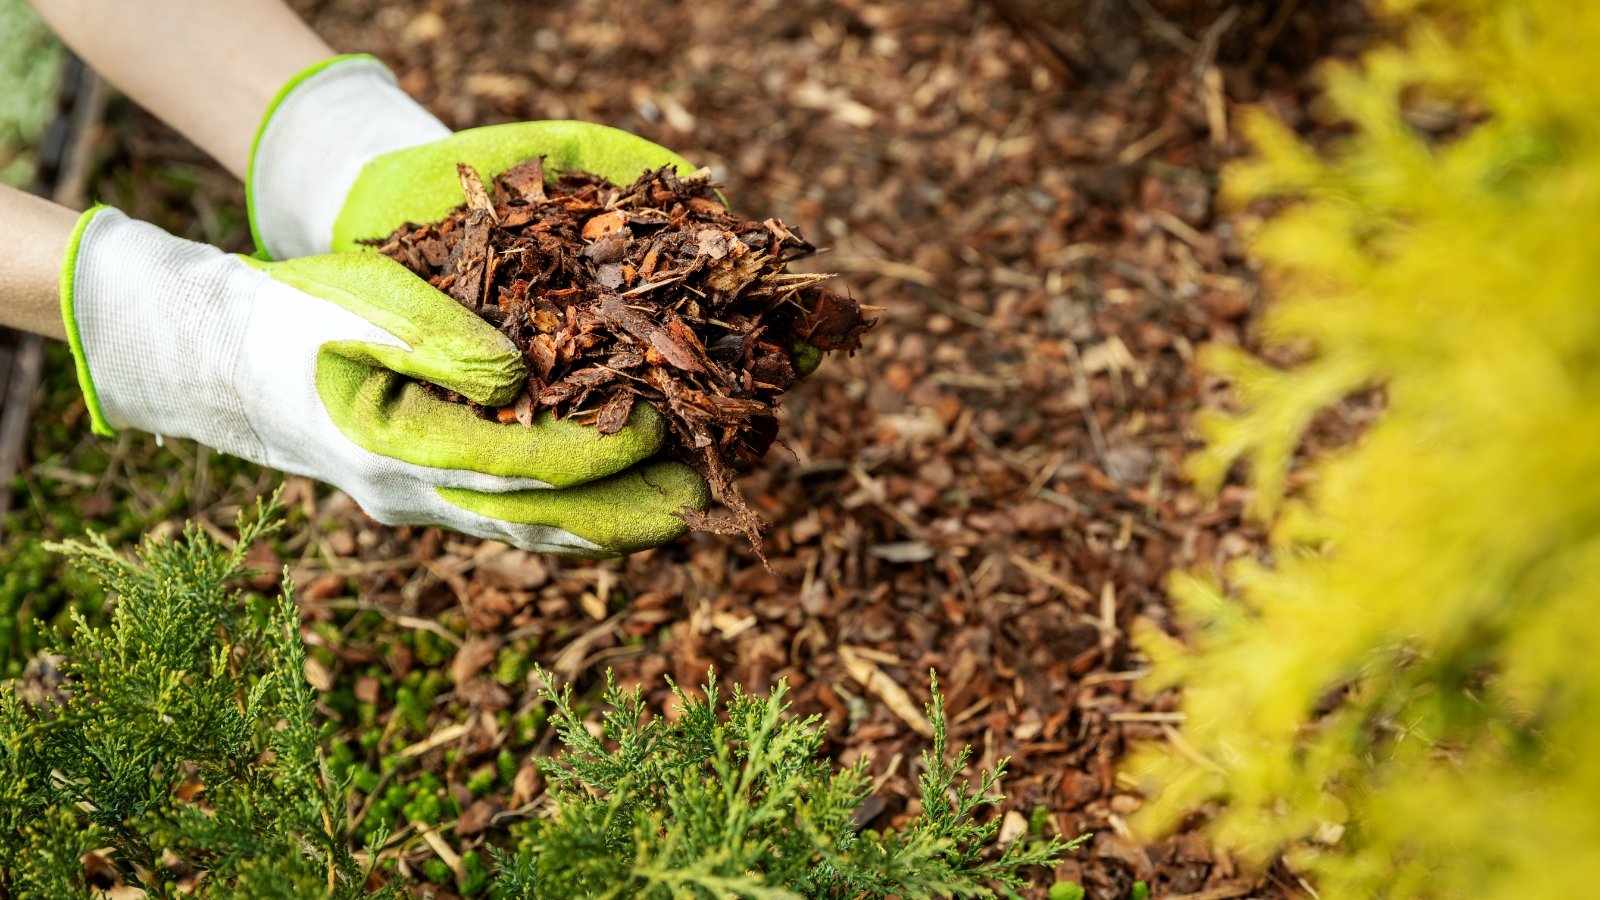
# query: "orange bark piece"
[603,224]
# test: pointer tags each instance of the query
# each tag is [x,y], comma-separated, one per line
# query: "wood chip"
[473,656]
[893,696]
[472,187]
[526,180]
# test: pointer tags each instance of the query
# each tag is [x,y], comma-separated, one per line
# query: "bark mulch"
[991,486]
[649,291]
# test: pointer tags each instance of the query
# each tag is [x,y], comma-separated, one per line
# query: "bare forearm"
[37,232]
[208,69]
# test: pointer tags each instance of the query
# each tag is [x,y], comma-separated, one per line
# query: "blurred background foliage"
[1404,695]
[30,60]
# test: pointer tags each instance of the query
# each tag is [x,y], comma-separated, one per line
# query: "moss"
[1039,820]
[430,649]
[1067,890]
[364,779]
[530,724]
[475,872]
[511,666]
[29,63]
[506,765]
[412,711]
[481,782]
[437,872]
[434,682]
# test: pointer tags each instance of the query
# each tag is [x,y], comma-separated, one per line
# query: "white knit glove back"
[314,140]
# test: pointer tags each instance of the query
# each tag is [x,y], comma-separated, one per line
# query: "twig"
[446,855]
[438,739]
[1163,27]
[1081,383]
[1206,54]
[1274,30]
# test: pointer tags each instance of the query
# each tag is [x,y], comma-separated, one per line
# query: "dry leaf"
[472,188]
[473,656]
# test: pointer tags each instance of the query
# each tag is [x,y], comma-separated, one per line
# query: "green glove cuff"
[69,316]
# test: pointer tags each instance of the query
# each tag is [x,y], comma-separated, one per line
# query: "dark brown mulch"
[651,291]
[992,487]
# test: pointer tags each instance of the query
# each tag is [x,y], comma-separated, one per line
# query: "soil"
[993,486]
[652,292]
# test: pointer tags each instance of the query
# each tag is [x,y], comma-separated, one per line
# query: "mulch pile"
[992,486]
[652,292]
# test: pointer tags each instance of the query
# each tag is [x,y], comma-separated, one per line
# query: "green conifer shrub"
[741,804]
[184,747]
[1406,694]
[188,686]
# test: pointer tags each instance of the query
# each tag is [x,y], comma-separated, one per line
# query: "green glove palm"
[421,184]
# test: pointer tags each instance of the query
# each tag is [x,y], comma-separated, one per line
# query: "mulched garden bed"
[990,487]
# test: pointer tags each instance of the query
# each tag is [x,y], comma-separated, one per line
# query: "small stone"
[342,543]
[528,784]
[325,587]
[1125,804]
[269,567]
[368,689]
[1013,826]
[478,817]
[318,675]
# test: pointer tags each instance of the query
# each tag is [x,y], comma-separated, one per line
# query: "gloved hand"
[299,365]
[343,155]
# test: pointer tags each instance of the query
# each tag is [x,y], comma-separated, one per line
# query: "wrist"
[37,231]
[317,135]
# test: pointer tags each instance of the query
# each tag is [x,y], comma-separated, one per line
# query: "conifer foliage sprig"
[186,742]
[733,798]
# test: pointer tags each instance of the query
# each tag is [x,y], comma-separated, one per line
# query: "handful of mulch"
[652,292]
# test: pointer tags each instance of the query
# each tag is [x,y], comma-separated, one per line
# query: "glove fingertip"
[491,380]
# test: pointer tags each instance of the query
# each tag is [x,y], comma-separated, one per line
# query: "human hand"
[308,366]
